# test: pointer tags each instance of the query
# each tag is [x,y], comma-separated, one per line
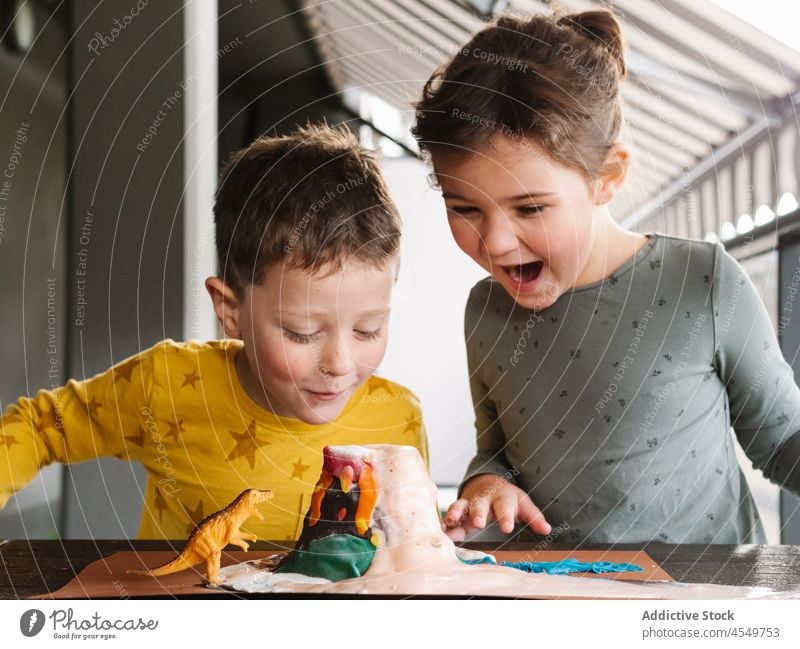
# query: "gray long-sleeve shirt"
[613,407]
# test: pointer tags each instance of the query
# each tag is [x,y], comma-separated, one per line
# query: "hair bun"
[602,26]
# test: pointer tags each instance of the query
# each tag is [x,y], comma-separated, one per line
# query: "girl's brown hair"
[553,79]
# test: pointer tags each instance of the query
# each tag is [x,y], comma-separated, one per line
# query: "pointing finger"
[456,512]
[478,511]
[505,510]
[532,516]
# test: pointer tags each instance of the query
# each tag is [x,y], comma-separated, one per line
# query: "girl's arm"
[491,440]
[488,491]
[764,398]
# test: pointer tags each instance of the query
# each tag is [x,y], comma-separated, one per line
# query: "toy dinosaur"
[212,534]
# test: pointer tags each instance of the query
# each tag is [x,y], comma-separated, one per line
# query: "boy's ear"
[226,306]
[615,168]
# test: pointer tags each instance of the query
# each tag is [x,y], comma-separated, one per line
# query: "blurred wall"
[33,241]
[426,349]
[126,217]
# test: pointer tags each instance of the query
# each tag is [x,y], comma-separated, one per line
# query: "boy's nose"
[336,359]
[498,236]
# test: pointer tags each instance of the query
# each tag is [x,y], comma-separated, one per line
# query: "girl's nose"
[498,236]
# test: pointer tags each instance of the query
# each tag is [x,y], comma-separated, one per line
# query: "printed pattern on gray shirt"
[613,407]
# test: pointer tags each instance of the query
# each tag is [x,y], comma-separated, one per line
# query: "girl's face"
[526,219]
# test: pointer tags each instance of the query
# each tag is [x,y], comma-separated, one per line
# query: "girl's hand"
[489,497]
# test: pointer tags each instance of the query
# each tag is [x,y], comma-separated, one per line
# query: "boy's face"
[310,340]
[525,218]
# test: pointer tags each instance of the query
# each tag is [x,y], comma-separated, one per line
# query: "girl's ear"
[226,306]
[613,173]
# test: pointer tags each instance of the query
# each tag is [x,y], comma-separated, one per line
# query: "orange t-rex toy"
[212,534]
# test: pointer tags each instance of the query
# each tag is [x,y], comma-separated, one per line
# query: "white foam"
[415,557]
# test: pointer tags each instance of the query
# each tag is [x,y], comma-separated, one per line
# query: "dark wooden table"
[35,567]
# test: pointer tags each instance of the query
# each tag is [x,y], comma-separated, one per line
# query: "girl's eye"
[530,210]
[303,339]
[463,210]
[368,335]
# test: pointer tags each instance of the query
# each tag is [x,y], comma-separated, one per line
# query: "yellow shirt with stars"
[179,409]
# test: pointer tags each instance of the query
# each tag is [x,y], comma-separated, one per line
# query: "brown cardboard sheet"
[107,578]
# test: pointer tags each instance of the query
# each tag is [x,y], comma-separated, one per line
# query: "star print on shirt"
[190,379]
[137,439]
[382,384]
[125,371]
[175,430]
[93,406]
[50,419]
[160,504]
[299,468]
[195,516]
[246,445]
[412,424]
[8,441]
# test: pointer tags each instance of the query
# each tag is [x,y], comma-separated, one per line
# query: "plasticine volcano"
[373,528]
[372,512]
[339,535]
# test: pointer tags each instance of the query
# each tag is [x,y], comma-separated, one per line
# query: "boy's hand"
[487,497]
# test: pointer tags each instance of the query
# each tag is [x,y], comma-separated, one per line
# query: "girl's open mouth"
[524,273]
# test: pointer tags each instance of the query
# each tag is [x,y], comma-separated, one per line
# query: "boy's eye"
[368,335]
[300,338]
[530,210]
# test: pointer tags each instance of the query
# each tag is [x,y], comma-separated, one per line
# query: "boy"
[308,240]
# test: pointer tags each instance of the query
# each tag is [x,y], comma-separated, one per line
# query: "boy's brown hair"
[314,198]
[553,79]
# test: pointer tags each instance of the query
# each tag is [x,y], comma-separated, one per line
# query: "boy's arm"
[103,415]
[764,398]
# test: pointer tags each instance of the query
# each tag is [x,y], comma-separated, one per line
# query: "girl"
[606,366]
